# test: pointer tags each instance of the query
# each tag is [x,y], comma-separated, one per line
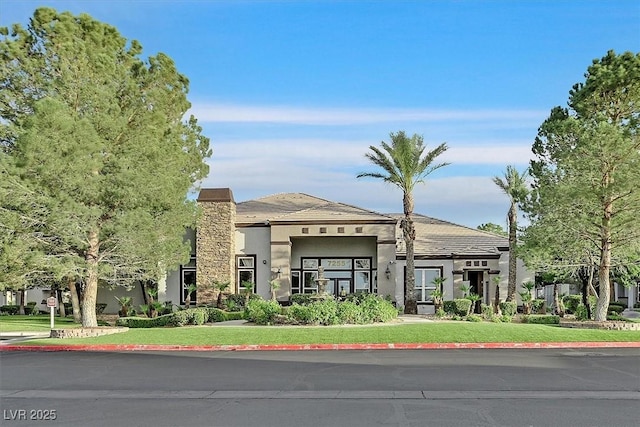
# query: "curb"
[303,347]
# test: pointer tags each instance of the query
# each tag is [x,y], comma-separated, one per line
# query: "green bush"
[145,322]
[30,308]
[300,314]
[538,306]
[233,315]
[509,308]
[616,308]
[300,299]
[238,300]
[261,312]
[541,319]
[571,303]
[376,309]
[581,312]
[215,315]
[350,313]
[10,309]
[487,311]
[182,317]
[457,307]
[615,317]
[505,318]
[200,315]
[474,318]
[325,312]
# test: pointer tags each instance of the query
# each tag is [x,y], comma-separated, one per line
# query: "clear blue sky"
[292,93]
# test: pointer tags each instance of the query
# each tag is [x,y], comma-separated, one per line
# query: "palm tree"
[514,185]
[404,164]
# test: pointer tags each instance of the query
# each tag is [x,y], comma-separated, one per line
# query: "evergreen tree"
[100,136]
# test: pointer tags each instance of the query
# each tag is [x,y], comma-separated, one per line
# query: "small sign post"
[52,303]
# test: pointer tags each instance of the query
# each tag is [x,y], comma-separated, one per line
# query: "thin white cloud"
[346,153]
[230,113]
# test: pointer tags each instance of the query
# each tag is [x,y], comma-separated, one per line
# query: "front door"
[476,286]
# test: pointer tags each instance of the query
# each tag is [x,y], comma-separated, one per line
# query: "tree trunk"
[496,301]
[21,294]
[61,310]
[408,230]
[558,308]
[604,269]
[90,294]
[75,300]
[513,260]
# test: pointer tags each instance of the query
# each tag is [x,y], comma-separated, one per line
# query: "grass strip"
[18,323]
[457,332]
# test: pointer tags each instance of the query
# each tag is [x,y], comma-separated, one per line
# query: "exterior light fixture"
[387,272]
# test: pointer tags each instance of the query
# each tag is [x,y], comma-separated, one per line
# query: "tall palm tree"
[404,164]
[514,185]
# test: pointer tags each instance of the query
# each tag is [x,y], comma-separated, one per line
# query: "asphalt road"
[565,387]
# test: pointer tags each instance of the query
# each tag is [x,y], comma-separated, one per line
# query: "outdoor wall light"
[387,272]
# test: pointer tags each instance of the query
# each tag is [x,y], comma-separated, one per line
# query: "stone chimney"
[215,242]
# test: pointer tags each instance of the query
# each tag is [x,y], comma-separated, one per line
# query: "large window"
[246,271]
[344,275]
[424,283]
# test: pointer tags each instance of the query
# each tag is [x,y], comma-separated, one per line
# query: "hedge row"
[357,309]
[541,319]
[190,316]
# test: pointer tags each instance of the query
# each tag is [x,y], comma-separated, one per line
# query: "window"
[246,271]
[188,281]
[363,281]
[309,282]
[424,283]
[295,282]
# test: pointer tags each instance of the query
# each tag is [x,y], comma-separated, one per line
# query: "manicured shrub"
[145,322]
[509,308]
[215,315]
[449,307]
[325,312]
[261,312]
[375,309]
[182,317]
[474,318]
[233,315]
[10,309]
[200,315]
[541,319]
[300,314]
[457,307]
[350,313]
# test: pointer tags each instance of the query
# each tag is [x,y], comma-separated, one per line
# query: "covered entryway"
[476,286]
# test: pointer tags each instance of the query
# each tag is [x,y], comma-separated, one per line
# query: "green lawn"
[409,333]
[33,323]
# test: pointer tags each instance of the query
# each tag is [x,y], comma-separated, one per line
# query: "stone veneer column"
[215,242]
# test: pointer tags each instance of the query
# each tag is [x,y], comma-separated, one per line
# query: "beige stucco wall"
[290,242]
[256,241]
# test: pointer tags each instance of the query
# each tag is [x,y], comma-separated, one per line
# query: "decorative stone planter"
[608,325]
[85,332]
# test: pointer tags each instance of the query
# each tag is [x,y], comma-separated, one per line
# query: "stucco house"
[287,237]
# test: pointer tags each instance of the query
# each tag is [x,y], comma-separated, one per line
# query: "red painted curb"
[299,347]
